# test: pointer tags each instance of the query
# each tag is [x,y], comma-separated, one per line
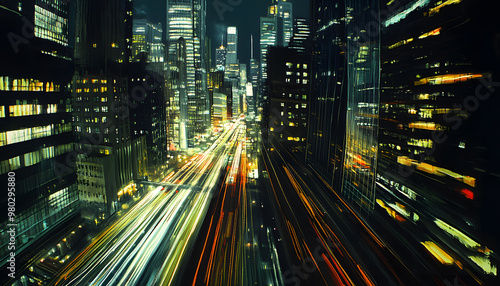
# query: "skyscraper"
[436,158]
[362,71]
[276,29]
[232,45]
[326,135]
[147,38]
[220,58]
[35,115]
[286,113]
[232,70]
[284,17]
[100,97]
[267,38]
[254,78]
[186,19]
[301,35]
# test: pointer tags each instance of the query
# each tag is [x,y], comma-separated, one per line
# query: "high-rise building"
[101,101]
[178,99]
[267,39]
[400,120]
[254,78]
[220,58]
[284,18]
[325,141]
[35,118]
[362,102]
[219,110]
[276,29]
[286,114]
[301,35]
[148,118]
[436,157]
[232,70]
[147,38]
[232,45]
[186,19]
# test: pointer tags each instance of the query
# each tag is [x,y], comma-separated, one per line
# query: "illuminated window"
[289,65]
[2,111]
[50,26]
[51,108]
[24,110]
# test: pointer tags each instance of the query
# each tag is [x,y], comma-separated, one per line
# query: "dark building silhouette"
[36,142]
[286,112]
[437,156]
[325,143]
[101,105]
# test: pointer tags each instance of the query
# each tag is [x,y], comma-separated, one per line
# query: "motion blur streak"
[147,245]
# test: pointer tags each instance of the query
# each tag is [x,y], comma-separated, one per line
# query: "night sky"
[245,16]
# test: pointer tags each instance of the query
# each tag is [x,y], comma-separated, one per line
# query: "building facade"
[435,158]
[186,19]
[286,114]
[101,103]
[36,141]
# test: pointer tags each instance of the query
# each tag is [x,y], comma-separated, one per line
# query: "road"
[148,245]
[236,246]
[364,249]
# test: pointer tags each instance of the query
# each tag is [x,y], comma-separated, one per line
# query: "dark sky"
[245,16]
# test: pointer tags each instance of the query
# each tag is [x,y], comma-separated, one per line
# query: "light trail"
[147,245]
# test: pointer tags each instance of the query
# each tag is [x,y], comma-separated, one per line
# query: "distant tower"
[220,57]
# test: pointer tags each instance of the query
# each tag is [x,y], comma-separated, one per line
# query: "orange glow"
[434,32]
[447,78]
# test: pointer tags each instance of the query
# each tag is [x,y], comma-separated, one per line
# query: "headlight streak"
[121,254]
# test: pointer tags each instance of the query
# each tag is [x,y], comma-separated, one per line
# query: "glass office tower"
[363,72]
[35,119]
[437,156]
[325,146]
[186,19]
